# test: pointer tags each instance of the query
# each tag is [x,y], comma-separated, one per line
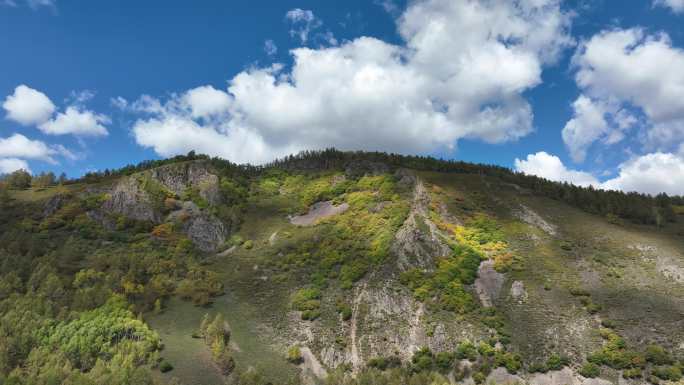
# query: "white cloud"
[460,74]
[303,22]
[650,174]
[270,47]
[207,101]
[76,122]
[9,165]
[32,107]
[586,126]
[19,146]
[630,69]
[551,167]
[676,6]
[595,119]
[28,106]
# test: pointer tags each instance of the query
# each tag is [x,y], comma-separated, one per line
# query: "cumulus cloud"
[460,73]
[595,119]
[28,106]
[677,6]
[303,22]
[9,165]
[551,167]
[205,102]
[76,122]
[650,174]
[19,146]
[629,70]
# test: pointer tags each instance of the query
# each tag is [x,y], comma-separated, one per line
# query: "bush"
[512,362]
[590,370]
[632,373]
[165,366]
[668,373]
[556,362]
[294,355]
[423,360]
[249,244]
[384,363]
[466,350]
[444,361]
[344,310]
[657,355]
[479,378]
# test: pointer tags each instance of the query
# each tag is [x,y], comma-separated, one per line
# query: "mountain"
[337,268]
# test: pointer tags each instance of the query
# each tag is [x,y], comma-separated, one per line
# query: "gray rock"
[178,177]
[129,200]
[53,204]
[205,231]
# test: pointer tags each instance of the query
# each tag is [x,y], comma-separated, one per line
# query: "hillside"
[337,268]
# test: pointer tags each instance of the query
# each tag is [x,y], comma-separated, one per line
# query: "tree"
[44,180]
[19,179]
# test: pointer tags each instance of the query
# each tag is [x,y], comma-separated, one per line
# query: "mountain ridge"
[439,273]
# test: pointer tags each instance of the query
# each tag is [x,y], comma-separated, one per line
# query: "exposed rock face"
[178,177]
[488,283]
[518,292]
[418,242]
[564,377]
[206,232]
[530,217]
[52,205]
[318,211]
[128,199]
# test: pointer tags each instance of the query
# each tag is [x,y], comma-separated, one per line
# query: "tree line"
[632,206]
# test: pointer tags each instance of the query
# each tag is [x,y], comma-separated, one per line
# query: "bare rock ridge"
[418,242]
[142,197]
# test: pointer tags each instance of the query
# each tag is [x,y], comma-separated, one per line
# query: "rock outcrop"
[418,242]
[127,198]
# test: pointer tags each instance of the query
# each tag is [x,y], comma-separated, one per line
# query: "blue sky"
[583,91]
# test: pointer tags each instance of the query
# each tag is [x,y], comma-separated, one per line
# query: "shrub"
[384,363]
[632,373]
[444,361]
[249,244]
[657,355]
[590,370]
[556,362]
[294,355]
[165,366]
[344,310]
[511,361]
[668,373]
[479,378]
[423,359]
[466,350]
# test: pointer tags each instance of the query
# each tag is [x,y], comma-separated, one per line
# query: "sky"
[589,92]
